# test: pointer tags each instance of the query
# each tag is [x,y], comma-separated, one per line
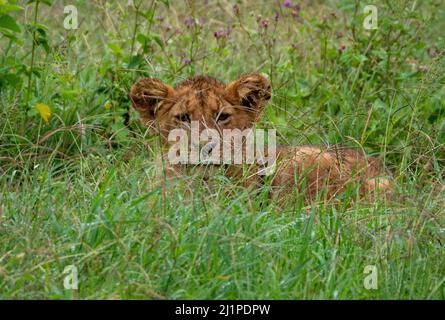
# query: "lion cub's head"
[208,101]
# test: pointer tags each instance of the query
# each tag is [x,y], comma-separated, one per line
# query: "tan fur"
[318,168]
[328,169]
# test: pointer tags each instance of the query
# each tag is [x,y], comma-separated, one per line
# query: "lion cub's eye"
[222,116]
[183,117]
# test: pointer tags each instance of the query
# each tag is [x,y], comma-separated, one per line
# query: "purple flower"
[341,49]
[265,23]
[222,33]
[186,61]
[189,22]
[236,8]
[287,4]
[295,14]
[276,17]
[297,7]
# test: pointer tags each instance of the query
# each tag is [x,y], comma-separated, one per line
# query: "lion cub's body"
[330,170]
[238,105]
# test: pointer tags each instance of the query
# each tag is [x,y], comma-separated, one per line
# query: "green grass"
[86,188]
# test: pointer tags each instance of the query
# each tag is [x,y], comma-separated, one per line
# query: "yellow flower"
[44,110]
[108,105]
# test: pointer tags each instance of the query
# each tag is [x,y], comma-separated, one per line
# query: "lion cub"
[213,105]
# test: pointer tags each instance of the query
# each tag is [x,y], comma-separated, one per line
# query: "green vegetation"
[78,181]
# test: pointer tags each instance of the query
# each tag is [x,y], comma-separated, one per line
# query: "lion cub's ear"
[251,91]
[147,96]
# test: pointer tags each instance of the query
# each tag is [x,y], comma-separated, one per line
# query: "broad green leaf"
[135,61]
[8,22]
[142,39]
[115,48]
[47,2]
[158,39]
[5,8]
